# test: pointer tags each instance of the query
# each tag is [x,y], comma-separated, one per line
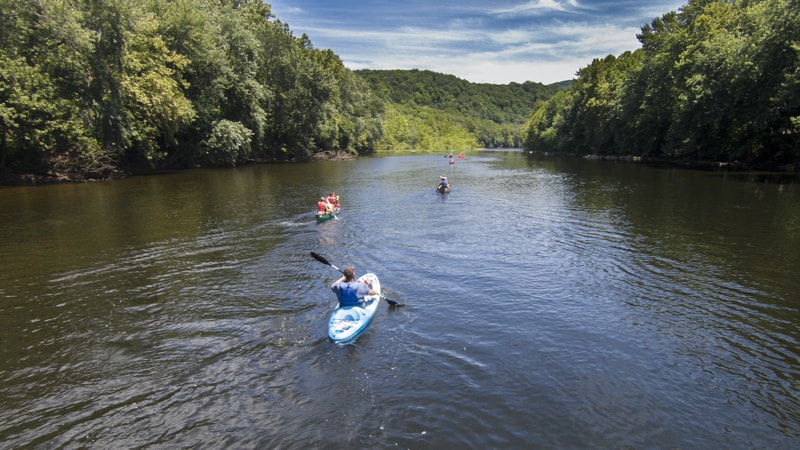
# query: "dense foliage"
[718,80]
[91,87]
[429,110]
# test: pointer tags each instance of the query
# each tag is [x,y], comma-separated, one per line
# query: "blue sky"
[481,41]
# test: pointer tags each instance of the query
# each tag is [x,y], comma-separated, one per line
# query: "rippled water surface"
[551,303]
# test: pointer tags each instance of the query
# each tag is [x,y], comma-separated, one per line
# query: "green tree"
[228,144]
[45,117]
[151,88]
[716,81]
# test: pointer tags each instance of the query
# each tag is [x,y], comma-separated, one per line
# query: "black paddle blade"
[320,258]
[392,302]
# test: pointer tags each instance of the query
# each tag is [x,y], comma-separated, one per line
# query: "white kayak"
[347,322]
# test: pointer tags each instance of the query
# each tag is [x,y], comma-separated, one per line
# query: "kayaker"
[348,290]
[443,182]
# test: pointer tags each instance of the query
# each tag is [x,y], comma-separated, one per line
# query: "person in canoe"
[323,207]
[333,199]
[443,183]
[348,290]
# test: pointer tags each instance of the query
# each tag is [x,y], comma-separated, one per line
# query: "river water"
[550,303]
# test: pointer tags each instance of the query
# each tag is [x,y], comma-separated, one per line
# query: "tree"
[228,144]
[716,81]
[151,88]
[45,117]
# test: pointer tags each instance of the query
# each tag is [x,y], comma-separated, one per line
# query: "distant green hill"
[429,110]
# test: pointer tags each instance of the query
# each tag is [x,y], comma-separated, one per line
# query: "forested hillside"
[88,89]
[429,110]
[92,89]
[716,81]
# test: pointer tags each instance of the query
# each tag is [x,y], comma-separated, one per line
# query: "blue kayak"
[347,322]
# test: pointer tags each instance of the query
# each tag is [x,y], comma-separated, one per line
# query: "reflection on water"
[551,303]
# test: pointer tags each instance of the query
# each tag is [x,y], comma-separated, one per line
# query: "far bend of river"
[551,303]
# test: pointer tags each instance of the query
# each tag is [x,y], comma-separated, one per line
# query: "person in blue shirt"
[444,185]
[348,290]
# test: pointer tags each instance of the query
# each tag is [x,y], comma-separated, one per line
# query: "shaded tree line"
[719,80]
[92,87]
[430,110]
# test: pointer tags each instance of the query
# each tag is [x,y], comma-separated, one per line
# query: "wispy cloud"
[537,7]
[541,40]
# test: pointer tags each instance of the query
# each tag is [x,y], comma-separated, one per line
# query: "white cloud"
[537,40]
[484,55]
[538,7]
[485,70]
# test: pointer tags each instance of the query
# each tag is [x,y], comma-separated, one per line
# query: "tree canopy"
[91,88]
[718,80]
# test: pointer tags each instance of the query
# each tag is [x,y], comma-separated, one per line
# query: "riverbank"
[30,179]
[10,179]
[683,163]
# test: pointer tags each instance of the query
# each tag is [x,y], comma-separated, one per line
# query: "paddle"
[323,260]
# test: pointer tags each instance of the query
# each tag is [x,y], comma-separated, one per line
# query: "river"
[550,303]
